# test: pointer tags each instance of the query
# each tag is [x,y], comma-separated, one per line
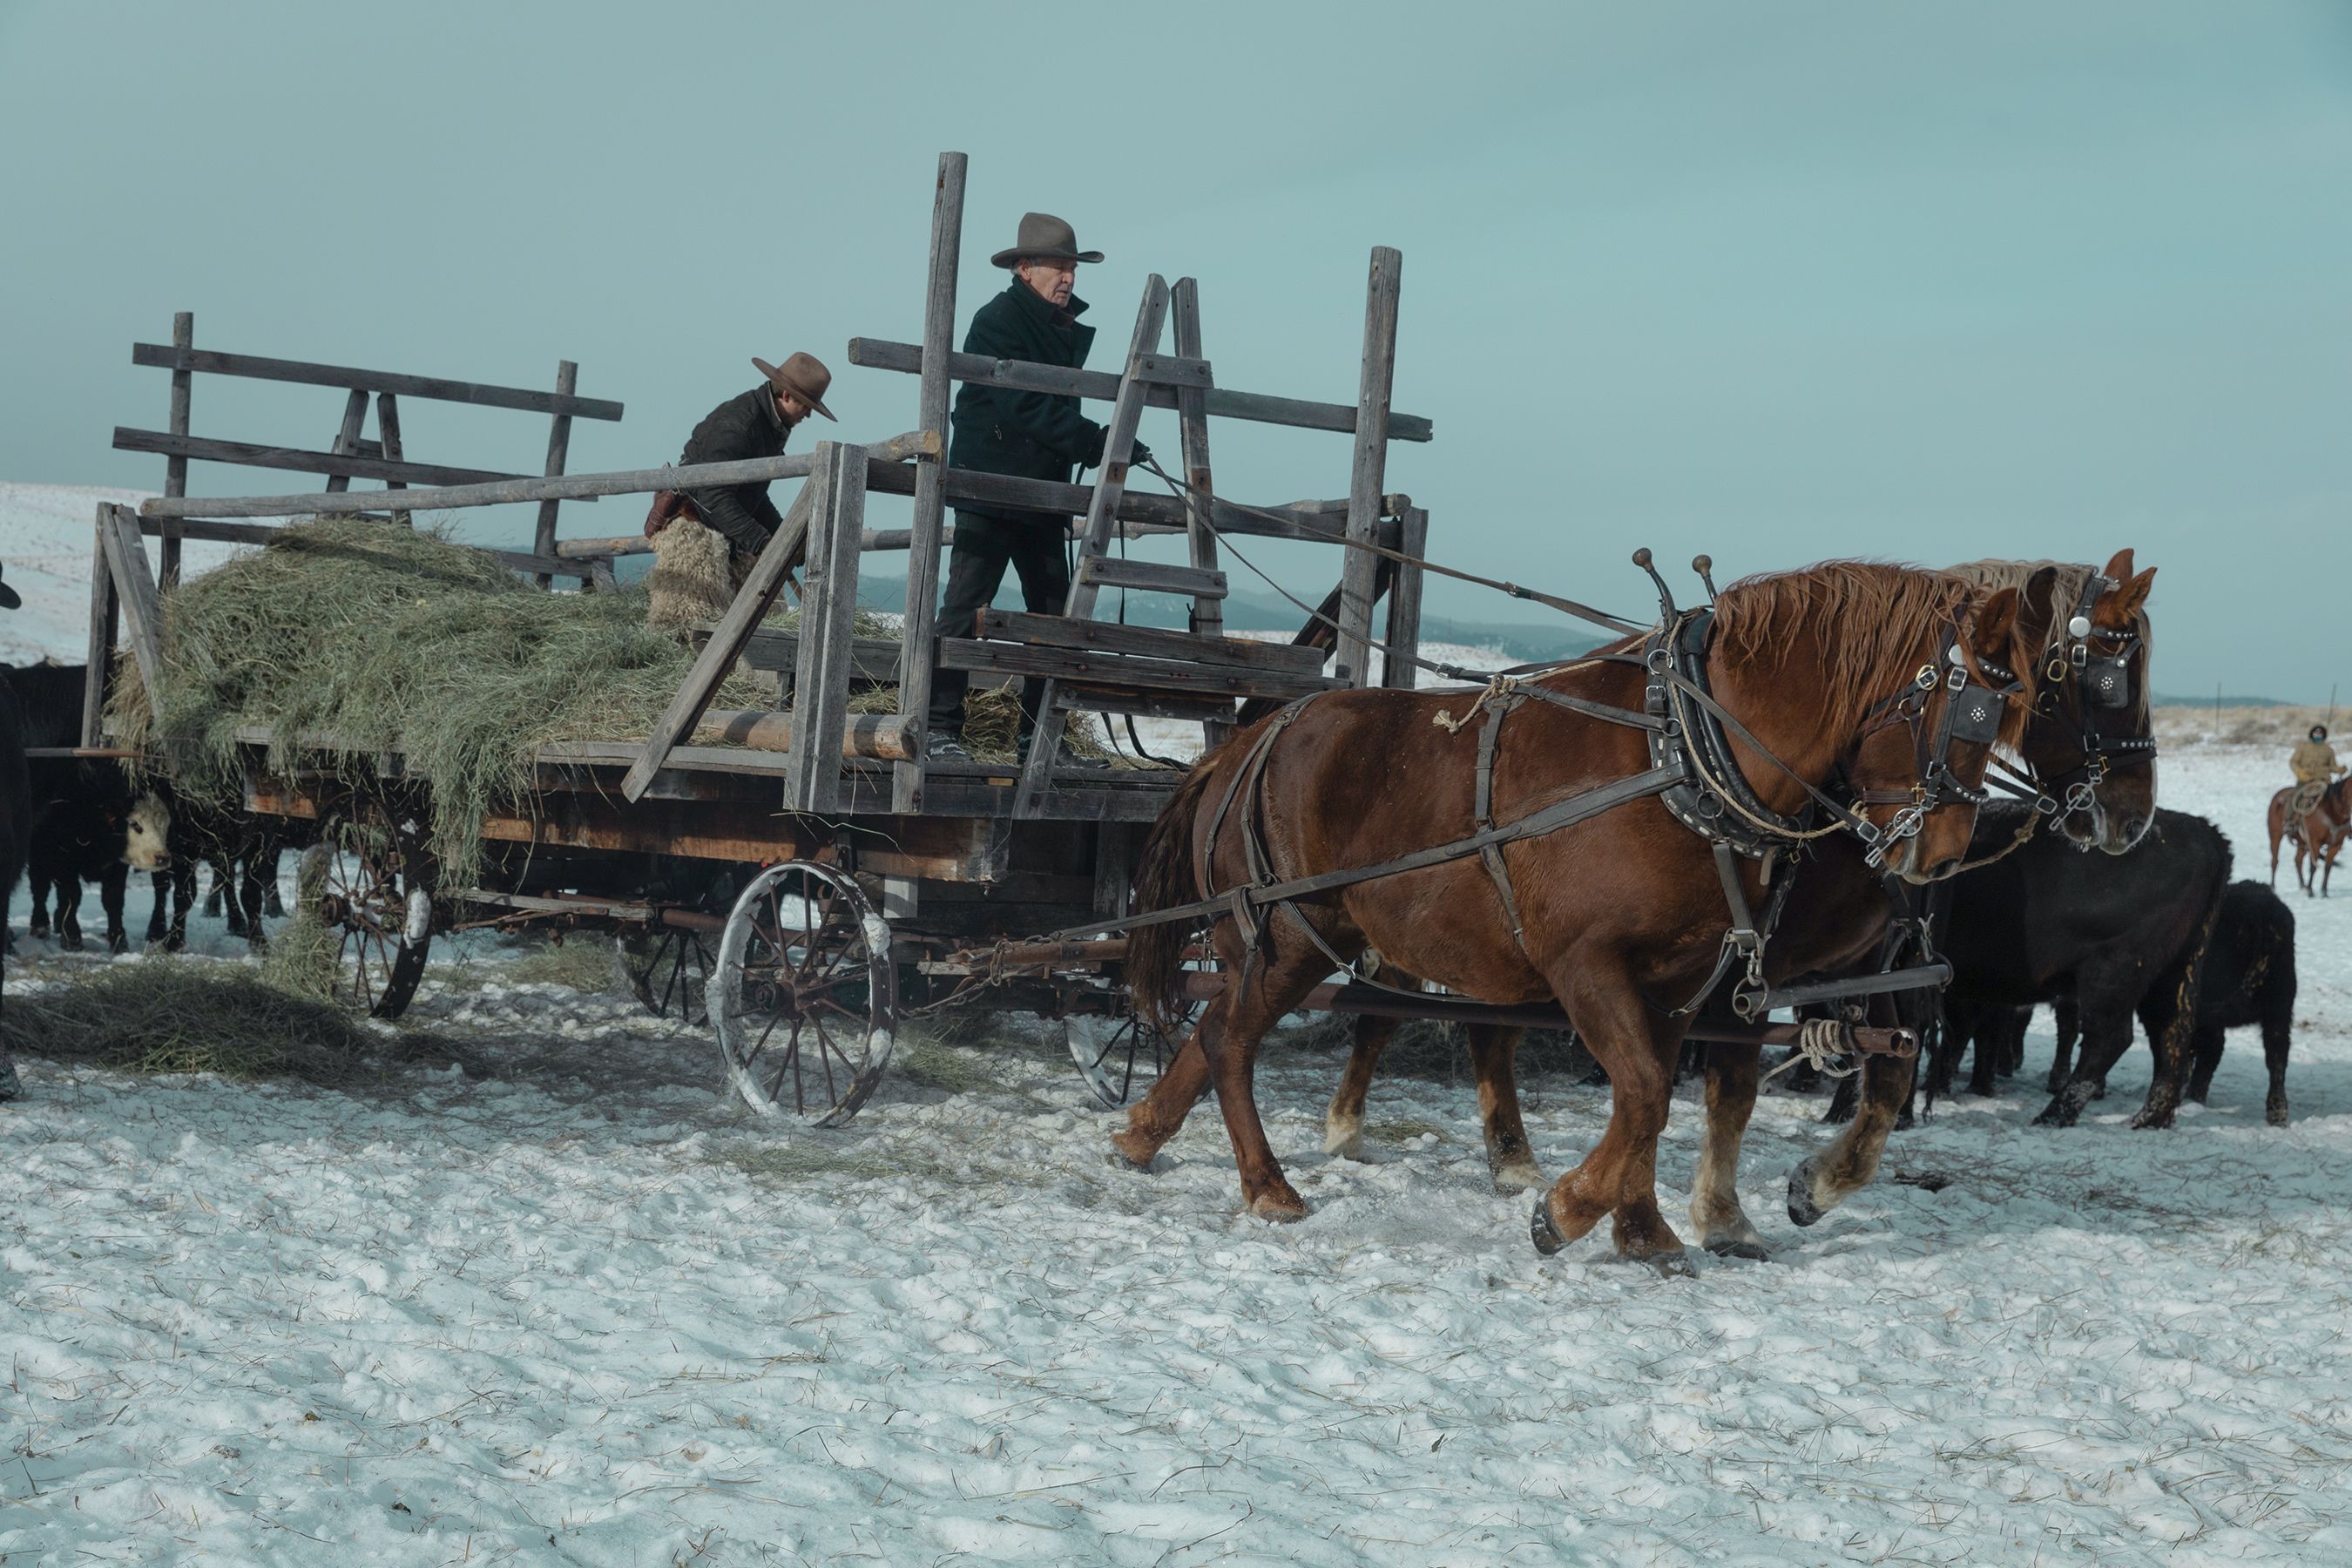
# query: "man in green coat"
[1030,434]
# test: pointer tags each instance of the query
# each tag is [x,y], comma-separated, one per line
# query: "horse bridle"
[2100,683]
[1972,715]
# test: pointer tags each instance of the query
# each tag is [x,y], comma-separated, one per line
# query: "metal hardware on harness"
[1922,977]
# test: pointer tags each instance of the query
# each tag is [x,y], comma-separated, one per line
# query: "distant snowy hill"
[45,543]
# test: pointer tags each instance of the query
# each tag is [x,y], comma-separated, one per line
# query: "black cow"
[2121,933]
[91,825]
[241,855]
[2249,979]
[240,850]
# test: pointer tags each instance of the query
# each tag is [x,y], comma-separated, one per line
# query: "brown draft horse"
[1621,915]
[1836,920]
[2319,836]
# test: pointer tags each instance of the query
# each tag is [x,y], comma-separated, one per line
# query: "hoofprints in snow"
[584,1309]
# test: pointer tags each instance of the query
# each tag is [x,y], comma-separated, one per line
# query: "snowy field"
[582,1309]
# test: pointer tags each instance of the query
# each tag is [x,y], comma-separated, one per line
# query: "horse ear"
[2134,594]
[1996,619]
[2119,566]
[2039,607]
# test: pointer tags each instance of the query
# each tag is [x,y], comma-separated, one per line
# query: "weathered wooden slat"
[342,465]
[1078,697]
[347,439]
[176,469]
[262,533]
[142,606]
[1405,604]
[870,658]
[718,656]
[926,538]
[1024,376]
[1208,617]
[1150,576]
[105,610]
[1178,370]
[211,362]
[558,446]
[387,429]
[1102,510]
[1371,465]
[882,461]
[1152,642]
[821,674]
[1123,670]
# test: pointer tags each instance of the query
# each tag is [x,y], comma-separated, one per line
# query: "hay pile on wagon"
[345,639]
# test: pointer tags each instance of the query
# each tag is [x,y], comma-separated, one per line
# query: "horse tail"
[1163,879]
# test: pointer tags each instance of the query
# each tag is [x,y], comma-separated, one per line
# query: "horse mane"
[2065,590]
[1867,617]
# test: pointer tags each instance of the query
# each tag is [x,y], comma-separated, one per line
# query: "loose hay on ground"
[178,1016]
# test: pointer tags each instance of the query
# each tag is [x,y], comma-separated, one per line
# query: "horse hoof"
[1740,1247]
[1123,1158]
[1669,1265]
[1803,1209]
[2152,1120]
[1542,1231]
[1512,1179]
[2275,1115]
[1131,1152]
[1279,1208]
[2059,1113]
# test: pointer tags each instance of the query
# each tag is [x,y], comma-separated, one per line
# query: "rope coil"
[1820,1046]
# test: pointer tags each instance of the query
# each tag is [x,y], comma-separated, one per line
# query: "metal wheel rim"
[805,1004]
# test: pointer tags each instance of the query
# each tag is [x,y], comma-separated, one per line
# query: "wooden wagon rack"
[956,856]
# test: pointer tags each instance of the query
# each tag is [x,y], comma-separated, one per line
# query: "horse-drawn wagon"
[805,876]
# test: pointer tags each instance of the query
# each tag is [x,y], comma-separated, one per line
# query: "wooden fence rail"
[211,362]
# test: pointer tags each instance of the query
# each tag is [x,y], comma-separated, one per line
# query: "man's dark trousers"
[1031,545]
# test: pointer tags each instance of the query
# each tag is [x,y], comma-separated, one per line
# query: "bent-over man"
[753,424]
[1029,434]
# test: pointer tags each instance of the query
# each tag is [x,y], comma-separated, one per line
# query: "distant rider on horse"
[2314,766]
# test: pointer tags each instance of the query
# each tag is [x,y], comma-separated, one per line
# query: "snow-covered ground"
[585,1309]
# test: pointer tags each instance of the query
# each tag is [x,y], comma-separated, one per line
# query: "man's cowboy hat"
[9,599]
[1045,238]
[803,375]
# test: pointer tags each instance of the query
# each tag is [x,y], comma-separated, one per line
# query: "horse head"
[1973,693]
[2090,743]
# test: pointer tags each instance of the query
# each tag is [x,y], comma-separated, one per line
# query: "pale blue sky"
[1927,281]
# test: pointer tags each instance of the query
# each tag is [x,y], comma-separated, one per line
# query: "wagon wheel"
[668,969]
[1120,1055]
[805,1002]
[370,881]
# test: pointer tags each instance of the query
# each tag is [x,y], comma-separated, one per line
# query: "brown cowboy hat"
[1047,237]
[803,375]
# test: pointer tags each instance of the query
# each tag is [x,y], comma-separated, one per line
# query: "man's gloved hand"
[1138,455]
